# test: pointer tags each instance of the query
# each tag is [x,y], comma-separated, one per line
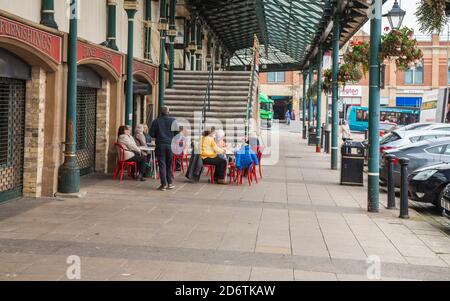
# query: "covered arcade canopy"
[289,31]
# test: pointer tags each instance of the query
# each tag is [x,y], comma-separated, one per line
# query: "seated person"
[255,144]
[132,151]
[140,138]
[210,152]
[148,138]
[180,144]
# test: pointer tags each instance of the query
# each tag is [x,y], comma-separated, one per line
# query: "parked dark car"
[420,154]
[445,201]
[427,184]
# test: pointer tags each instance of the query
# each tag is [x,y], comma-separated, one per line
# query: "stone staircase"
[228,101]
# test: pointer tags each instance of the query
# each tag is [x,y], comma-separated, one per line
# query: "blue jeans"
[164,155]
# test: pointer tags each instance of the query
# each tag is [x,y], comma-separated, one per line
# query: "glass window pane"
[419,75]
[280,77]
[408,76]
[271,77]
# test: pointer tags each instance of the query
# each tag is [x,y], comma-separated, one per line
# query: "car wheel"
[438,201]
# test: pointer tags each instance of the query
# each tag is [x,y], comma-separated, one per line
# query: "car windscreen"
[390,138]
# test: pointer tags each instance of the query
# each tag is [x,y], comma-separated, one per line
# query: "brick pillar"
[102,131]
[435,62]
[34,133]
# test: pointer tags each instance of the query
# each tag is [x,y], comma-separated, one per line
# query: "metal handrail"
[250,95]
[207,100]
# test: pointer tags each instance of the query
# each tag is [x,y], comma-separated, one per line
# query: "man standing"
[288,117]
[163,130]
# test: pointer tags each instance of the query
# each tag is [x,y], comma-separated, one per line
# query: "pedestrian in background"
[288,117]
[163,130]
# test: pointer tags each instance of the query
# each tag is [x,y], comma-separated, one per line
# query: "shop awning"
[288,30]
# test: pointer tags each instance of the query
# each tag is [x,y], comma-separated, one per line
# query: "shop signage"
[149,70]
[351,91]
[88,51]
[45,42]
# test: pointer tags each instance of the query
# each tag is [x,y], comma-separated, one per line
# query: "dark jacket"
[163,130]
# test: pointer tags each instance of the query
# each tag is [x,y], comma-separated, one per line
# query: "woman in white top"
[344,131]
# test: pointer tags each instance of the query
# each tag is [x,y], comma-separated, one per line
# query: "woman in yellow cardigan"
[209,152]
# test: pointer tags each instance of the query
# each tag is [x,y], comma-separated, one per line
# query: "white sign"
[351,91]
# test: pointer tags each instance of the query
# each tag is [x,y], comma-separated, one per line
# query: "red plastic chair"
[121,164]
[251,175]
[174,162]
[211,171]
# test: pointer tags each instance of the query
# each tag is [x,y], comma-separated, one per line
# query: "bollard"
[322,137]
[404,210]
[327,141]
[304,132]
[366,135]
[390,183]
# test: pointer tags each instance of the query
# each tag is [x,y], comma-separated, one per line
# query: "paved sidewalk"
[298,224]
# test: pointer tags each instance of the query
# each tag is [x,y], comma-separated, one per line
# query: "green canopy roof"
[289,31]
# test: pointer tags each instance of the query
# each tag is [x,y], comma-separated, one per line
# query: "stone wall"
[34,133]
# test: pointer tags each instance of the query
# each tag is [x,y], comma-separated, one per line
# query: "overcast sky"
[410,19]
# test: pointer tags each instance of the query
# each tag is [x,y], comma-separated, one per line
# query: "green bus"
[266,109]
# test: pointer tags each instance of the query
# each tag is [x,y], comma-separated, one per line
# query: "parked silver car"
[420,154]
[425,126]
[397,139]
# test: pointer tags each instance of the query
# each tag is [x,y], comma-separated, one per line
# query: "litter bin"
[312,136]
[352,163]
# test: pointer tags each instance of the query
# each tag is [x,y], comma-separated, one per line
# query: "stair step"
[217,83]
[214,108]
[241,78]
[243,89]
[216,73]
[230,92]
[202,98]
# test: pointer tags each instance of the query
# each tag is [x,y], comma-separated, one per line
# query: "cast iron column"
[335,94]
[319,99]
[163,31]
[198,53]
[305,77]
[192,46]
[310,100]
[131,9]
[374,108]
[112,32]
[172,35]
[148,30]
[48,14]
[69,172]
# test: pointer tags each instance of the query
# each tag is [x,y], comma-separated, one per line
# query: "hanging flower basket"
[432,15]
[358,55]
[401,46]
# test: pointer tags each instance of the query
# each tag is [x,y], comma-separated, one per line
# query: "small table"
[152,151]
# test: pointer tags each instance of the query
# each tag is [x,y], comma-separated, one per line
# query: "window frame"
[413,72]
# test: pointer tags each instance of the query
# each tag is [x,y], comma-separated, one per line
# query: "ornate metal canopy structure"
[290,31]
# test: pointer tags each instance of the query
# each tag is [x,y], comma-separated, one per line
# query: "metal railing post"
[390,183]
[404,210]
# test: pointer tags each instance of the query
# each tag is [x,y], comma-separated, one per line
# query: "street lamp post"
[374,108]
[395,16]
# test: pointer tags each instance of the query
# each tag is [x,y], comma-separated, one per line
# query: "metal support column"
[48,14]
[163,31]
[305,77]
[335,94]
[112,25]
[148,30]
[131,9]
[192,45]
[374,108]
[172,35]
[319,99]
[310,100]
[69,172]
[198,53]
